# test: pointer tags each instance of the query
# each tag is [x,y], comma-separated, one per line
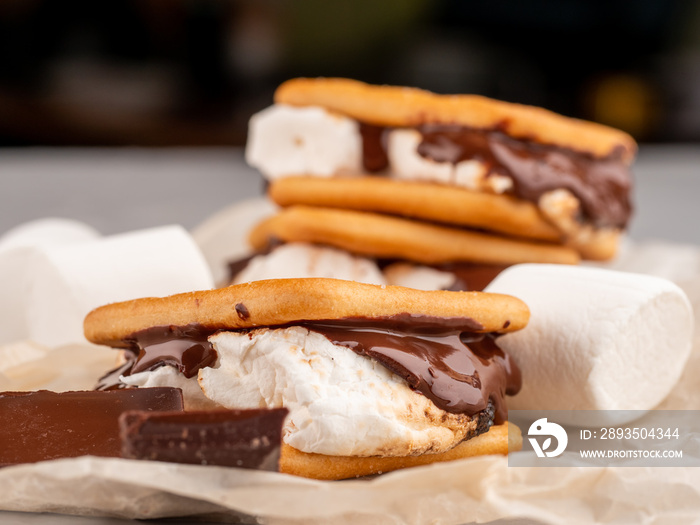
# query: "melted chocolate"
[374,149]
[185,347]
[472,277]
[459,372]
[238,265]
[441,357]
[110,381]
[413,323]
[242,311]
[601,185]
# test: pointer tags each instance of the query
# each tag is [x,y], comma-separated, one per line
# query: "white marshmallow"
[47,232]
[18,247]
[285,140]
[340,403]
[66,282]
[301,260]
[14,285]
[418,277]
[406,163]
[597,339]
[192,395]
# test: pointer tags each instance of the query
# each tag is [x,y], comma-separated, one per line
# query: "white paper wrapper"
[473,490]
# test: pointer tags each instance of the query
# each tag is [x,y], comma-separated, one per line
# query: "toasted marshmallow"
[597,339]
[340,403]
[301,260]
[285,140]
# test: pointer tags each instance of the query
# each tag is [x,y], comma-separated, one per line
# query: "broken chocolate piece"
[45,425]
[233,438]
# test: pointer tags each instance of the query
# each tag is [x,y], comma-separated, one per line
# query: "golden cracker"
[404,106]
[283,301]
[421,200]
[498,440]
[382,236]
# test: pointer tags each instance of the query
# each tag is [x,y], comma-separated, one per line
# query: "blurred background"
[191,72]
[132,113]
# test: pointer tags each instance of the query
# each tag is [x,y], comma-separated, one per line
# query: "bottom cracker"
[498,440]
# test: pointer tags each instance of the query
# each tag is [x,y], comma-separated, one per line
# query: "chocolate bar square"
[233,438]
[45,425]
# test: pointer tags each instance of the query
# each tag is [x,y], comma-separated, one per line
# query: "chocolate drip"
[472,277]
[405,322]
[441,357]
[601,185]
[242,311]
[110,381]
[238,265]
[187,348]
[459,372]
[374,154]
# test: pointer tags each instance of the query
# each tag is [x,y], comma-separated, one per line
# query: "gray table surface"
[117,190]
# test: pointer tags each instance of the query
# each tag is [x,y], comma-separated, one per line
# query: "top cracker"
[403,107]
[283,301]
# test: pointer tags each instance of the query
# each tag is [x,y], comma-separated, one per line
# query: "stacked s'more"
[374,378]
[433,187]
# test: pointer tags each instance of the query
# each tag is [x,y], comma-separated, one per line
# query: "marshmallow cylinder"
[285,140]
[13,284]
[66,282]
[418,277]
[18,246]
[597,339]
[47,232]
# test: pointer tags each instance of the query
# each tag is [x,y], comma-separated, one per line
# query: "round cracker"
[500,439]
[421,200]
[403,106]
[283,301]
[383,236]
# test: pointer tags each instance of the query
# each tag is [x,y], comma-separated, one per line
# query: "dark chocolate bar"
[44,425]
[232,438]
